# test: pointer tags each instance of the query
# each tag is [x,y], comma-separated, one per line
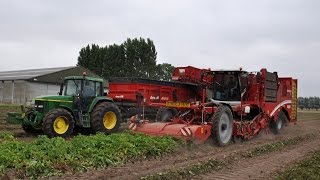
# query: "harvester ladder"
[294,100]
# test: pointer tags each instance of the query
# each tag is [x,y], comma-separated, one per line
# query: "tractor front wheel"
[105,118]
[58,122]
[222,126]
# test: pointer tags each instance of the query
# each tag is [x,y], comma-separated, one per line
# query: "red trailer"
[145,96]
[226,105]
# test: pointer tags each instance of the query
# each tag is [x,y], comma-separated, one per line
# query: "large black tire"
[165,114]
[58,122]
[277,126]
[237,139]
[30,130]
[222,126]
[105,118]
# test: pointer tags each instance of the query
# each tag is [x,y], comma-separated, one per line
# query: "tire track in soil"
[265,166]
[184,157]
[181,158]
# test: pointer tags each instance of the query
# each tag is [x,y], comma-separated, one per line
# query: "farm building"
[19,87]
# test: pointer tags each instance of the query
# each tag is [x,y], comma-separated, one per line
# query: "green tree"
[114,61]
[141,57]
[164,71]
[309,102]
[133,58]
[91,57]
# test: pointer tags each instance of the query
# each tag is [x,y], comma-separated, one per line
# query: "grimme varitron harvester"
[224,105]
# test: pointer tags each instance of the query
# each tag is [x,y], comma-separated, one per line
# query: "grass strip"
[305,169]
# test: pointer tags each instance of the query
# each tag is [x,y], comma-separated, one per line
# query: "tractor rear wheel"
[105,118]
[58,122]
[165,114]
[222,126]
[277,126]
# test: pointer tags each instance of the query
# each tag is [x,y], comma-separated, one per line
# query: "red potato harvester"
[223,104]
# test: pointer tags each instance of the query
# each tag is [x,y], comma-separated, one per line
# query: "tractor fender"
[67,108]
[98,100]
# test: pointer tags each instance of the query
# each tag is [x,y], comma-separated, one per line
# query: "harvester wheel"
[164,114]
[237,139]
[277,126]
[58,122]
[222,126]
[105,118]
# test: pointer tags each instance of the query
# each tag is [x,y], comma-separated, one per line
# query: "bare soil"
[260,167]
[265,166]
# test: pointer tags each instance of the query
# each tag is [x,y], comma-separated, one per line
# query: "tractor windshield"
[72,87]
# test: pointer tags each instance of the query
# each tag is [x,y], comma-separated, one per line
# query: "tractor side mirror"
[61,89]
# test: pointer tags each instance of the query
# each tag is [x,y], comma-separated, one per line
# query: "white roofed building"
[19,87]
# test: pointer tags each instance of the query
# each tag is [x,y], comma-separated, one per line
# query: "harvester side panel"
[271,87]
[271,93]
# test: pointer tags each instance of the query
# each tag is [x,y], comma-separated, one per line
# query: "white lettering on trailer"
[154,97]
[164,98]
[119,96]
[280,105]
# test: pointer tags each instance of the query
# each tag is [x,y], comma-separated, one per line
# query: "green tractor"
[80,104]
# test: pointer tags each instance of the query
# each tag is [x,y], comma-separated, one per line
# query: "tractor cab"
[228,85]
[82,89]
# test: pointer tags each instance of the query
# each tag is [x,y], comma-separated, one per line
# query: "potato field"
[293,154]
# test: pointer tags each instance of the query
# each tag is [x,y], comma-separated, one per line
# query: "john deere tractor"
[80,103]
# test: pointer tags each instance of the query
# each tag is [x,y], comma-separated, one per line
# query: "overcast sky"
[280,35]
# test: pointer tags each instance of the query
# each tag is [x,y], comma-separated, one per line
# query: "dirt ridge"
[264,166]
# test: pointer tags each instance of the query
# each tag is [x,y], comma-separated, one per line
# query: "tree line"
[309,103]
[132,58]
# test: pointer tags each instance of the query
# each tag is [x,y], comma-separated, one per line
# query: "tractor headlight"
[39,105]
